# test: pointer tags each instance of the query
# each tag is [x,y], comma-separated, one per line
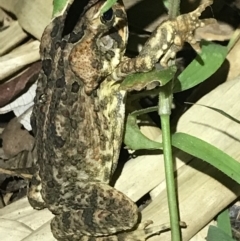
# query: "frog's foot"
[164,43]
[181,30]
[34,192]
[143,232]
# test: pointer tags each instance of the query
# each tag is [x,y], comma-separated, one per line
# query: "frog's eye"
[107,16]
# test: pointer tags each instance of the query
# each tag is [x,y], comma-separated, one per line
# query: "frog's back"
[78,114]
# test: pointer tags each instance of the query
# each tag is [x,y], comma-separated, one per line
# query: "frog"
[78,121]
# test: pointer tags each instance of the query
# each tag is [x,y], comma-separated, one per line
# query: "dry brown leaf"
[11,89]
[13,137]
[215,32]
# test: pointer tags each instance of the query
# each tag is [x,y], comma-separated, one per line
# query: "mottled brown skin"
[78,121]
[78,124]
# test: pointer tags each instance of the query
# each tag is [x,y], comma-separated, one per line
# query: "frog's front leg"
[98,213]
[165,42]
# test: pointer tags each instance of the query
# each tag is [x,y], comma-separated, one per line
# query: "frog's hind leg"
[34,190]
[96,211]
[99,211]
[93,209]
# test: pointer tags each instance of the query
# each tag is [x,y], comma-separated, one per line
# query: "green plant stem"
[174,6]
[164,112]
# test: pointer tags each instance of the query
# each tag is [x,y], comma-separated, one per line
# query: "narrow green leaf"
[208,153]
[139,81]
[133,137]
[202,67]
[223,222]
[107,5]
[58,6]
[166,4]
[219,111]
[216,234]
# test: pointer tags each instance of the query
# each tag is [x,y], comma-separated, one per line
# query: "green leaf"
[219,111]
[107,5]
[166,4]
[133,137]
[209,153]
[202,67]
[58,6]
[139,81]
[216,234]
[223,222]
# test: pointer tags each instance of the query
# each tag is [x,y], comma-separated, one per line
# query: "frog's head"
[101,43]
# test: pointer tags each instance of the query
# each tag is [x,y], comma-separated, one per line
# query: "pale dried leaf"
[5,20]
[42,234]
[19,58]
[10,37]
[11,230]
[22,212]
[233,61]
[33,16]
[202,234]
